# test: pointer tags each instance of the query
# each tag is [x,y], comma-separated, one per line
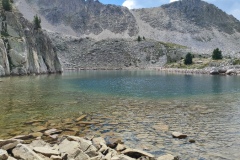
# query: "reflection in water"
[146,106]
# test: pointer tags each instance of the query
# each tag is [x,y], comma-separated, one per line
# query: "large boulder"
[22,151]
[3,154]
[231,72]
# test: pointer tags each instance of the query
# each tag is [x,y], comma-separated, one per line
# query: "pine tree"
[7,6]
[37,22]
[139,39]
[188,59]
[217,54]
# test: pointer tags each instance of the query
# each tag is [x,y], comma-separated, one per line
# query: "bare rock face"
[87,16]
[193,23]
[87,53]
[23,49]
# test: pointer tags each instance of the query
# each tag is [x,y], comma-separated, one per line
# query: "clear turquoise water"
[205,107]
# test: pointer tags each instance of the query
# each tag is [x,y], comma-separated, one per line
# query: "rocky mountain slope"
[110,32]
[193,23]
[23,49]
[87,53]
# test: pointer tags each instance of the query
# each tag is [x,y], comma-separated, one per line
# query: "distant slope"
[193,23]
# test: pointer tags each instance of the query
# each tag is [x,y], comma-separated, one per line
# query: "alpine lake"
[141,108]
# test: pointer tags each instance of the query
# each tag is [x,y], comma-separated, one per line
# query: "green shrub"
[7,6]
[217,54]
[37,22]
[139,39]
[188,59]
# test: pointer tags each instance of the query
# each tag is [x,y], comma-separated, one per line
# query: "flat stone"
[87,123]
[34,121]
[166,157]
[81,118]
[22,151]
[23,137]
[161,127]
[3,154]
[39,129]
[8,144]
[134,153]
[72,133]
[46,151]
[179,135]
[52,131]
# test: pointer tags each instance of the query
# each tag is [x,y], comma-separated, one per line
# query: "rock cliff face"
[192,23]
[24,50]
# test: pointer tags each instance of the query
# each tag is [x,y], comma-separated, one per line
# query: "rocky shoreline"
[46,143]
[228,70]
[71,148]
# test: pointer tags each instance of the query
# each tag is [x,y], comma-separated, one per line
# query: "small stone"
[192,141]
[81,118]
[179,135]
[166,157]
[3,154]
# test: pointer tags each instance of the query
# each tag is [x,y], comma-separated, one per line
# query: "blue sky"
[230,6]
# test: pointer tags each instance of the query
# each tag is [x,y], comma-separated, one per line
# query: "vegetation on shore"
[195,61]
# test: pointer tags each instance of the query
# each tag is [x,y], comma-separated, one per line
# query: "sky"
[229,6]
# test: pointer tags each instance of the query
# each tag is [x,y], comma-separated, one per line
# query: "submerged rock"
[178,135]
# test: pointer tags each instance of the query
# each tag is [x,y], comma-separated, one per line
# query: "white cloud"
[173,1]
[131,4]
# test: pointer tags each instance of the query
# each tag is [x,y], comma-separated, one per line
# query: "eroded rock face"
[24,50]
[87,17]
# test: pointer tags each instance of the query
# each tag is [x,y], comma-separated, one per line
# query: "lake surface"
[141,107]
